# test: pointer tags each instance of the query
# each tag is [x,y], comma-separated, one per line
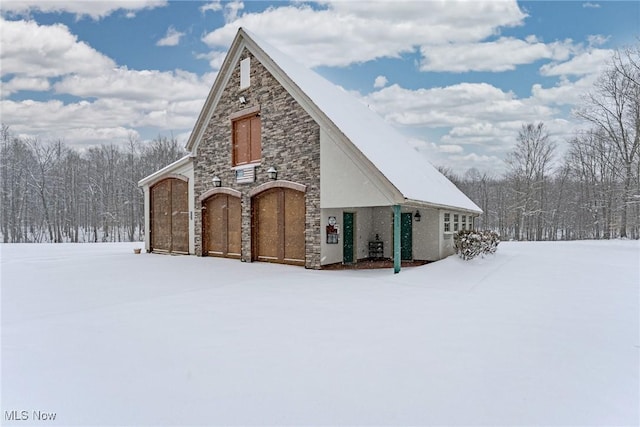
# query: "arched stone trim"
[169,176]
[278,184]
[219,190]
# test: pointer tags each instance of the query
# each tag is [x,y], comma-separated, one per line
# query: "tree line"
[592,191]
[53,193]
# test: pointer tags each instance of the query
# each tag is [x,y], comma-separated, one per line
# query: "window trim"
[447,222]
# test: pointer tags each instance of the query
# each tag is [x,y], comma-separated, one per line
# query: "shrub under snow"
[471,243]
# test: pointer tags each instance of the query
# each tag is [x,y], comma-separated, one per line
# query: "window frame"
[456,222]
[447,222]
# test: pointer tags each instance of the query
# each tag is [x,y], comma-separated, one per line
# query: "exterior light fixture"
[217,182]
[273,173]
[242,100]
[417,216]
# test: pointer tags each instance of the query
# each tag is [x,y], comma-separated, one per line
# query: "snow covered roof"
[385,147]
[185,160]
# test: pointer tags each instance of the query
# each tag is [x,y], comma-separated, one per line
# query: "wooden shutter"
[247,135]
[241,141]
[256,132]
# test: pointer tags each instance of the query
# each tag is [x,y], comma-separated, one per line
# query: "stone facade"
[290,141]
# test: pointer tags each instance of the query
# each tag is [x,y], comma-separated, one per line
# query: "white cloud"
[328,36]
[566,92]
[380,81]
[103,120]
[213,6]
[96,9]
[16,84]
[172,38]
[450,148]
[123,83]
[500,55]
[457,105]
[33,50]
[114,100]
[590,62]
[215,58]
[472,123]
[591,5]
[597,40]
[232,9]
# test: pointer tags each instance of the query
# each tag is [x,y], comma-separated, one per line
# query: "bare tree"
[529,168]
[613,108]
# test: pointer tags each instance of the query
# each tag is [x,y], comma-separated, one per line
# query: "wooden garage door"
[278,226]
[170,216]
[222,226]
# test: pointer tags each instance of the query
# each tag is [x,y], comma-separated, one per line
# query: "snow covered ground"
[539,334]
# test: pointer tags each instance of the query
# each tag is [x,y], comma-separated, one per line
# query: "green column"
[396,239]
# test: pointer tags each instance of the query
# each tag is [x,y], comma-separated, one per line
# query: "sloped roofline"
[243,40]
[419,180]
[165,170]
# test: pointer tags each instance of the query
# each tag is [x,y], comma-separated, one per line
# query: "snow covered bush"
[471,243]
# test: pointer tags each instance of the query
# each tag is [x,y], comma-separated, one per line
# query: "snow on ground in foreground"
[539,334]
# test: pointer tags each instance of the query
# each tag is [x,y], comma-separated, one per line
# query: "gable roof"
[385,147]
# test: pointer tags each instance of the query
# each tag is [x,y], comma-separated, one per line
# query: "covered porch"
[380,236]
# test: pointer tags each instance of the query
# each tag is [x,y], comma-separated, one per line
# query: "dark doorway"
[406,236]
[347,240]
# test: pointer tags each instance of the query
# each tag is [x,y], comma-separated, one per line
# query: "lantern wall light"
[273,173]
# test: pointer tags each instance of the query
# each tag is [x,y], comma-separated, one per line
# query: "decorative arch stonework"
[168,176]
[219,190]
[278,184]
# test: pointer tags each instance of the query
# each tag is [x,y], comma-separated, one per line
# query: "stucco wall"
[426,235]
[290,142]
[346,181]
[363,218]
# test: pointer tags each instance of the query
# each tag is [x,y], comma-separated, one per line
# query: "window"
[245,72]
[246,140]
[447,222]
[470,223]
[464,222]
[455,222]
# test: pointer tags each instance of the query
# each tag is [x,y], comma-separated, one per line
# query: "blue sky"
[458,78]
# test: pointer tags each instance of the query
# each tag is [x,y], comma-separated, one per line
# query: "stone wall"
[290,143]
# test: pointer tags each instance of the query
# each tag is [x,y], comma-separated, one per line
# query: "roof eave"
[421,203]
[212,98]
[178,163]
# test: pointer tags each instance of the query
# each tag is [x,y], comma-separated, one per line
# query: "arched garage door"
[278,226]
[170,216]
[222,226]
